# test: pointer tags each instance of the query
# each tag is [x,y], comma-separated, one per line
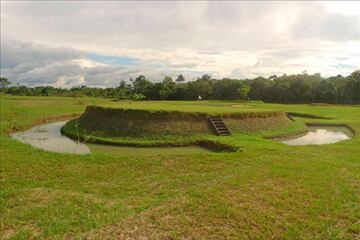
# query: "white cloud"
[226,39]
[86,63]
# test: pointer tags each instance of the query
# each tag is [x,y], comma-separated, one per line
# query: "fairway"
[269,190]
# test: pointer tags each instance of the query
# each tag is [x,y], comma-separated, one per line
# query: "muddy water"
[319,135]
[48,137]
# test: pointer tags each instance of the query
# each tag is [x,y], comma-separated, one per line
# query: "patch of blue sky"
[113,60]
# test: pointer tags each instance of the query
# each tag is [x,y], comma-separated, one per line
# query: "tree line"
[297,88]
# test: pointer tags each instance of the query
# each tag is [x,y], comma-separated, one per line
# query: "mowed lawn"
[268,191]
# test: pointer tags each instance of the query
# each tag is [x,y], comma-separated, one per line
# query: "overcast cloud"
[100,43]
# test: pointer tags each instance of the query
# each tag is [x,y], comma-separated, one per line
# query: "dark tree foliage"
[4,82]
[305,88]
[180,79]
[299,88]
[141,85]
[229,89]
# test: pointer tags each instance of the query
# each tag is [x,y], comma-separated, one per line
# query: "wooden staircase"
[220,128]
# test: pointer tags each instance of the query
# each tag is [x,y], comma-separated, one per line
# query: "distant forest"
[299,88]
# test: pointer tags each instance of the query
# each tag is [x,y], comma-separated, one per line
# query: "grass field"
[268,191]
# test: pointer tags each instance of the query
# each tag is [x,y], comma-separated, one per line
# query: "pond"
[48,137]
[319,135]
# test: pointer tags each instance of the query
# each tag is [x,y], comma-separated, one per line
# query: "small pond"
[48,137]
[319,135]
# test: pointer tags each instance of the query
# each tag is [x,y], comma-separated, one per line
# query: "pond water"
[319,135]
[48,137]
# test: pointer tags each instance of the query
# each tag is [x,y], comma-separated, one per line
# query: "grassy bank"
[268,191]
[137,127]
[72,130]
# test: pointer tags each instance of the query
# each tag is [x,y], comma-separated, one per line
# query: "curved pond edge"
[288,136]
[51,119]
[48,137]
[303,133]
[208,144]
[211,145]
[332,125]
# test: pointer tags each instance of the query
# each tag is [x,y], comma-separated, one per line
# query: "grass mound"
[111,122]
[161,128]
[247,122]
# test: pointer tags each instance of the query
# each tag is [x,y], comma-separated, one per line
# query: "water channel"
[48,137]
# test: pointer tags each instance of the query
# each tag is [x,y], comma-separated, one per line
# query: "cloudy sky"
[100,43]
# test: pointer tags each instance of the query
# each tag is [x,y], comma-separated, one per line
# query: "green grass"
[268,191]
[268,128]
[145,127]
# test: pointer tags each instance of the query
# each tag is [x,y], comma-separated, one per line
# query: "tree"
[205,77]
[168,87]
[200,87]
[229,89]
[180,92]
[161,90]
[180,79]
[169,82]
[295,88]
[141,85]
[4,82]
[243,91]
[338,85]
[272,77]
[122,84]
[123,91]
[352,87]
[259,88]
[138,97]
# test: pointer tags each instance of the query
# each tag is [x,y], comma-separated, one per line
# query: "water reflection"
[48,137]
[319,135]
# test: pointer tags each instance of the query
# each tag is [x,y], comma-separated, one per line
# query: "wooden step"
[219,126]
